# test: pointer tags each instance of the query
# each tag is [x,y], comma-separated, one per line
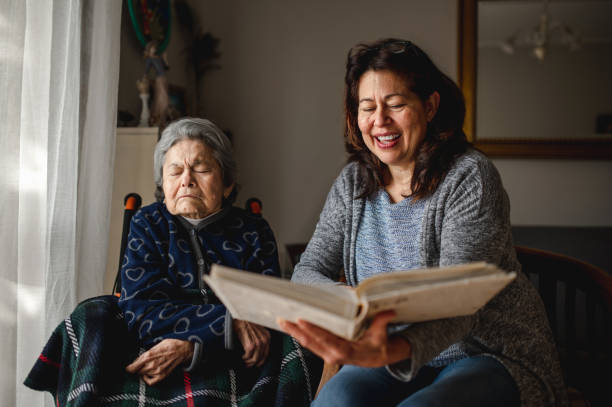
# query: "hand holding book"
[373,349]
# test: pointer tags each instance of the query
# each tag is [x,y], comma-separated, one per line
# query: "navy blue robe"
[162,293]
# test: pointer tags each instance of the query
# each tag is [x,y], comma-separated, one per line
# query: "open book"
[415,295]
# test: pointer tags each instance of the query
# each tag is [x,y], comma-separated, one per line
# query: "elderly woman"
[171,244]
[414,194]
[167,327]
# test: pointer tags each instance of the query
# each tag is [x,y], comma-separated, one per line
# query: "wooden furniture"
[590,244]
[578,301]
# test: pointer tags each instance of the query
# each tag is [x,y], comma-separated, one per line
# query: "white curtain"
[59,72]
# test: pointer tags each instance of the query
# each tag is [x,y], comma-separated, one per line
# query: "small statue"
[160,106]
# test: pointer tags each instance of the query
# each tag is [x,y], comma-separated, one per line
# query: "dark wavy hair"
[444,140]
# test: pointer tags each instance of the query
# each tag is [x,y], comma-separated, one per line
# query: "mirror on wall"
[537,77]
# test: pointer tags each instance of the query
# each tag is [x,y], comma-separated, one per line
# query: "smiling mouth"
[386,141]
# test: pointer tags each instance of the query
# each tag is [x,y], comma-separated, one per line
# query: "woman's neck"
[194,221]
[398,181]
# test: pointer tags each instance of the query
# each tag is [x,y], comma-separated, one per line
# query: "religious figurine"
[160,113]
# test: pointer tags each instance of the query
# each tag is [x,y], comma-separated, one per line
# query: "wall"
[281,85]
[558,192]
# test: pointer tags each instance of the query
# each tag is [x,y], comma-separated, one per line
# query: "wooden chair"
[578,301]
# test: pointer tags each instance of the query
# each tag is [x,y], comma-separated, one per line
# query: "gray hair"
[201,130]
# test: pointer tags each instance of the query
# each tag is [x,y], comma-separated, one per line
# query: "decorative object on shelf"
[157,64]
[143,92]
[540,37]
[151,21]
[201,50]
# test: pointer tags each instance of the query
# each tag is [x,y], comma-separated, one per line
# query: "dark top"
[163,294]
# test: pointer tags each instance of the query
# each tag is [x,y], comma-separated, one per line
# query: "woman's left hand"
[158,362]
[255,340]
[373,349]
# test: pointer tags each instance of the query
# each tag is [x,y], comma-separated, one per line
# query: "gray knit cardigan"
[465,220]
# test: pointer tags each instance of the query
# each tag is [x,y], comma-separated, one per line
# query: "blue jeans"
[473,381]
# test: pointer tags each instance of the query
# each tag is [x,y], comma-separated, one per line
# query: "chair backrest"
[578,301]
[131,203]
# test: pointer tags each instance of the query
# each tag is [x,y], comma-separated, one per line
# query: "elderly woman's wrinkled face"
[392,119]
[192,180]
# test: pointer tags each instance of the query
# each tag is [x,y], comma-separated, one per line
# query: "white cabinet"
[133,173]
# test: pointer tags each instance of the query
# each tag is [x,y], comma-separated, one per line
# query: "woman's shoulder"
[247,220]
[155,209]
[349,181]
[472,167]
[346,186]
[472,159]
[154,214]
[350,171]
[152,207]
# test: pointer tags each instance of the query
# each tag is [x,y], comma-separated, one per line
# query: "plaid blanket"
[83,364]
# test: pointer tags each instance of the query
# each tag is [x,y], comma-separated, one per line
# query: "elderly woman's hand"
[158,362]
[373,349]
[255,341]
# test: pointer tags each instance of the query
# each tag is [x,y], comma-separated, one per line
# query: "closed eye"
[200,168]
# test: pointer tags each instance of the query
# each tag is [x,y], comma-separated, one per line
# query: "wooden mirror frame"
[587,148]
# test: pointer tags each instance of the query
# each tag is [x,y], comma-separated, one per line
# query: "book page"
[385,282]
[436,299]
[263,299]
